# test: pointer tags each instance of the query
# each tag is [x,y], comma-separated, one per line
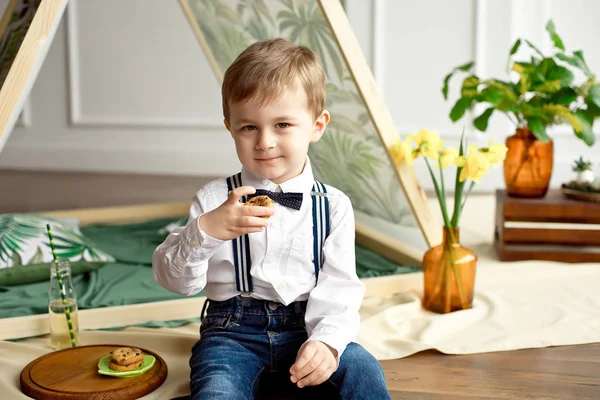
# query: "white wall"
[140,97]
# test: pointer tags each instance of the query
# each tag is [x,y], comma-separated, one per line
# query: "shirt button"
[271,259]
[194,243]
[283,286]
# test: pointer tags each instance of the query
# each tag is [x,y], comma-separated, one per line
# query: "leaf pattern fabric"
[24,241]
[350,156]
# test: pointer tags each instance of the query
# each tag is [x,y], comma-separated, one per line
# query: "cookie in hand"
[261,201]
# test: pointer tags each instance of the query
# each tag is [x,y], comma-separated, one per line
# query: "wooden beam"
[382,120]
[27,63]
[122,214]
[167,310]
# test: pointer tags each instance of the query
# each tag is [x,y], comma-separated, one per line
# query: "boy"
[281,282]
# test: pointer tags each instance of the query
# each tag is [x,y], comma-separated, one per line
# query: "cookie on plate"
[122,368]
[126,356]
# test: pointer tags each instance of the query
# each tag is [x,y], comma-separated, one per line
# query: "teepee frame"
[28,60]
[17,86]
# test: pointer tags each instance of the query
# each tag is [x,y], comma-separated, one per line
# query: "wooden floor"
[553,373]
[559,373]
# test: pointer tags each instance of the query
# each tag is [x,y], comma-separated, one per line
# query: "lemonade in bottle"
[62,307]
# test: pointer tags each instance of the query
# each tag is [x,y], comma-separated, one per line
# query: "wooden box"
[553,228]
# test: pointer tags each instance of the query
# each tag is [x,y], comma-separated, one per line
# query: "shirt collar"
[302,183]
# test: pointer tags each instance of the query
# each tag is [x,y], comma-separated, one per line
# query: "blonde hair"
[266,68]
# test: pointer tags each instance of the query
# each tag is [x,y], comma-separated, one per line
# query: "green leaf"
[530,111]
[464,68]
[15,231]
[363,118]
[509,89]
[339,95]
[469,87]
[554,36]
[587,134]
[534,48]
[594,96]
[481,122]
[536,126]
[546,65]
[491,95]
[460,107]
[260,8]
[227,13]
[576,61]
[592,111]
[515,47]
[561,74]
[564,96]
[547,87]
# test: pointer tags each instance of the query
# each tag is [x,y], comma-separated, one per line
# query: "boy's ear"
[227,125]
[320,125]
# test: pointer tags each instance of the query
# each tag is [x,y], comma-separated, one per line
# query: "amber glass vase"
[449,275]
[528,165]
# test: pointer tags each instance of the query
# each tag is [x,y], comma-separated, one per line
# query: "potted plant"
[583,169]
[545,94]
[449,268]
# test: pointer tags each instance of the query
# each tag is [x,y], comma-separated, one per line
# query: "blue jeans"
[240,344]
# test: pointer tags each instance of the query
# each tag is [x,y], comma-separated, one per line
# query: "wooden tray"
[73,374]
[581,195]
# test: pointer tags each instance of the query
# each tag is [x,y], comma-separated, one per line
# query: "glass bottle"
[449,275]
[62,307]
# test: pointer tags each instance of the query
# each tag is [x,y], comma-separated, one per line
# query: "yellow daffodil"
[402,151]
[495,152]
[428,144]
[474,165]
[448,157]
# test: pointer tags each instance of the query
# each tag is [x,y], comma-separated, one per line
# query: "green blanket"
[130,280]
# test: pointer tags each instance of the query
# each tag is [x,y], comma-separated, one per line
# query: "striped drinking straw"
[61,288]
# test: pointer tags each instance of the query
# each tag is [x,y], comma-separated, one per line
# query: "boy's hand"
[315,363]
[232,218]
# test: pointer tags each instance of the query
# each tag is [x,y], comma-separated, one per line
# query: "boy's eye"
[249,128]
[282,125]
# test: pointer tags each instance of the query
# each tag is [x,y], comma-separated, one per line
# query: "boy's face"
[272,141]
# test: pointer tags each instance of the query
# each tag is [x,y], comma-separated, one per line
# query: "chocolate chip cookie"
[261,201]
[126,356]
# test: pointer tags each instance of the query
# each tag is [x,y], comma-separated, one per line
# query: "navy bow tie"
[290,199]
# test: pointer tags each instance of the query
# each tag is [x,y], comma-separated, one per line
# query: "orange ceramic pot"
[528,165]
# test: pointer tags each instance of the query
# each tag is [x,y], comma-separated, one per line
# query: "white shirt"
[282,269]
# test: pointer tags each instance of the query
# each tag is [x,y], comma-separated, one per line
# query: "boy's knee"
[355,357]
[218,385]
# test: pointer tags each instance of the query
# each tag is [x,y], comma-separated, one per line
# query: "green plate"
[104,369]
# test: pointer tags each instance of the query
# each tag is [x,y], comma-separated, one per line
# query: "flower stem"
[455,268]
[466,196]
[440,196]
[458,191]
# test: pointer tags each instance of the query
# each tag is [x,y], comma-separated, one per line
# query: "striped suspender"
[320,214]
[241,245]
[241,249]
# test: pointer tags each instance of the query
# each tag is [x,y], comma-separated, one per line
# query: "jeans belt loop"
[246,298]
